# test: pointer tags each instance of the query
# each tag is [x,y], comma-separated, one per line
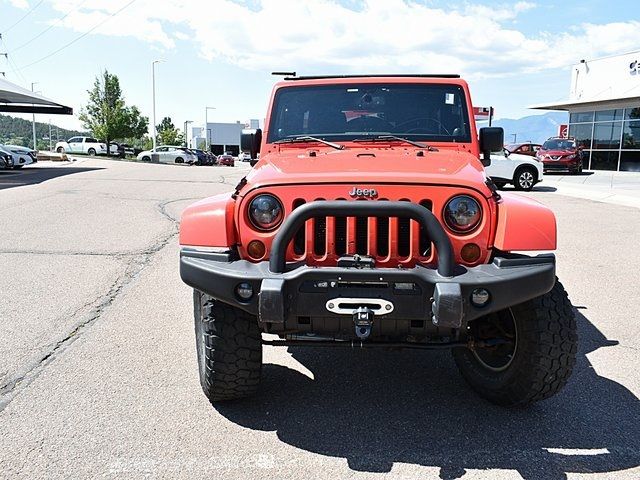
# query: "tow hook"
[363,321]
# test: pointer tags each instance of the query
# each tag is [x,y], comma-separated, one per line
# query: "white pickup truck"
[86,145]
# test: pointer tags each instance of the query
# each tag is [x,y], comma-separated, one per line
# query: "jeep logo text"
[363,192]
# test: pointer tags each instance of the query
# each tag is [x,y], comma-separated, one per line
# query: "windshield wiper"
[395,137]
[307,138]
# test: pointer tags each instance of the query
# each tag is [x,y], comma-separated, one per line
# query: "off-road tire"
[525,178]
[229,348]
[544,357]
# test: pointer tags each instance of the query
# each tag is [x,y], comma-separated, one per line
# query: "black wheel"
[60,150]
[229,347]
[499,185]
[179,160]
[92,152]
[537,357]
[146,159]
[17,167]
[525,178]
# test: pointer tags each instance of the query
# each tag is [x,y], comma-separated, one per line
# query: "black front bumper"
[284,292]
[304,291]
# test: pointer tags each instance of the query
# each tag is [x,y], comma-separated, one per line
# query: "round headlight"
[265,212]
[462,214]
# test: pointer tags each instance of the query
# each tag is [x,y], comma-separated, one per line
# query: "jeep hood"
[359,166]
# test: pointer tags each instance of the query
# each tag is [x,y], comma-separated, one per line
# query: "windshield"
[349,111]
[559,144]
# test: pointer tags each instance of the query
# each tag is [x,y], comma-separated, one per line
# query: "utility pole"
[207,141]
[185,132]
[153,82]
[35,145]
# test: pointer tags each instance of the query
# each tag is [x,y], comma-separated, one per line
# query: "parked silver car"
[21,155]
[169,154]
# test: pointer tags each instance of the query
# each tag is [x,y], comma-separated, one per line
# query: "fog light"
[244,291]
[480,297]
[470,253]
[256,249]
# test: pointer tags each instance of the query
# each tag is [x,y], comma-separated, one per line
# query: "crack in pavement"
[10,389]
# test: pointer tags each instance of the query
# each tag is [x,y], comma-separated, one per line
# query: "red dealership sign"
[563,131]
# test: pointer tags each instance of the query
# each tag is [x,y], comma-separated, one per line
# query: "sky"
[220,53]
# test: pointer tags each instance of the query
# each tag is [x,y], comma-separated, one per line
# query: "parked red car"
[559,154]
[530,149]
[227,160]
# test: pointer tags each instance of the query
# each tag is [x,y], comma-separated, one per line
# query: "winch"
[363,321]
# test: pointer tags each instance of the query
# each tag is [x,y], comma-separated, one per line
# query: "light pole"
[515,137]
[185,132]
[153,82]
[206,125]
[34,121]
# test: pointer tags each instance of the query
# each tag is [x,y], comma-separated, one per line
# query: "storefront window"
[606,135]
[608,115]
[604,160]
[632,113]
[631,135]
[630,161]
[582,133]
[581,117]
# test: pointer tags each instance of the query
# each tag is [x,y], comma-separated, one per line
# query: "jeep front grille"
[388,239]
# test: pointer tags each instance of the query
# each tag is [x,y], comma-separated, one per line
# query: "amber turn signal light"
[256,249]
[470,253]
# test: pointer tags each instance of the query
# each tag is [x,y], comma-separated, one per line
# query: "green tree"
[107,116]
[168,134]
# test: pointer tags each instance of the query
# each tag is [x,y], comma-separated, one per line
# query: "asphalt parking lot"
[98,374]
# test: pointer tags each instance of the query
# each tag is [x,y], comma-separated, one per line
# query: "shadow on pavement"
[32,176]
[375,408]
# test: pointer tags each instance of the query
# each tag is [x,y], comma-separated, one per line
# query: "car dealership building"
[604,111]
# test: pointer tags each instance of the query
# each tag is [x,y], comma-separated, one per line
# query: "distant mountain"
[534,128]
[20,132]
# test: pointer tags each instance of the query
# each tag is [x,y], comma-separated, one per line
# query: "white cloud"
[314,36]
[22,4]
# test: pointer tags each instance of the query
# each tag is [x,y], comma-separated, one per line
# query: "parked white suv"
[86,145]
[522,171]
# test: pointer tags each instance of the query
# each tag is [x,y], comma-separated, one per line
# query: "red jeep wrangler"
[368,222]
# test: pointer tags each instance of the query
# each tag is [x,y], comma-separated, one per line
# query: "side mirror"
[250,142]
[491,140]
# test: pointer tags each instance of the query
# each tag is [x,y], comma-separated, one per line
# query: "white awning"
[14,98]
[591,103]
